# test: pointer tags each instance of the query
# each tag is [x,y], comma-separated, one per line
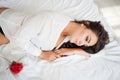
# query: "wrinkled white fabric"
[101,66]
[36,33]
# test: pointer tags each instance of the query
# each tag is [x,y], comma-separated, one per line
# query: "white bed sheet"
[101,66]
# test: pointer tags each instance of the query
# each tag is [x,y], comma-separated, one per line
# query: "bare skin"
[2,9]
[53,55]
[79,35]
[71,51]
[49,55]
[3,39]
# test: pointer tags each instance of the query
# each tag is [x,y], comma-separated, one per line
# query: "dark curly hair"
[100,32]
[1,31]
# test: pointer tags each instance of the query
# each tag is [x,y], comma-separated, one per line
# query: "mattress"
[101,66]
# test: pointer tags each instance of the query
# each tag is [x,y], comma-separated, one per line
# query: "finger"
[64,55]
[58,56]
[57,51]
[52,58]
[61,54]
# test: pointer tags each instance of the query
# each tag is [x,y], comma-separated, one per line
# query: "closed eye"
[86,38]
[89,39]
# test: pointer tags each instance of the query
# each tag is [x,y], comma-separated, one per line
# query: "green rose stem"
[10,61]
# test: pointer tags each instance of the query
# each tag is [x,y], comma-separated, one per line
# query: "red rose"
[16,67]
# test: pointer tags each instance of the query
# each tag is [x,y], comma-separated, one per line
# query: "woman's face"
[83,37]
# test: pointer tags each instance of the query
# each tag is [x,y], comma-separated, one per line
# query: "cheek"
[81,35]
[78,35]
[74,36]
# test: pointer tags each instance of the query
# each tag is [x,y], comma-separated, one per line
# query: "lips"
[75,42]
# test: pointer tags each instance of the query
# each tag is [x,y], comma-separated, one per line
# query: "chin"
[71,41]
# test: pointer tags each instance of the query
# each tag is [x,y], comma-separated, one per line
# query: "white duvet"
[104,65]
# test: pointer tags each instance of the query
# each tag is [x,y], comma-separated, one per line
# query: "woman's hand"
[65,52]
[49,55]
[71,51]
[3,39]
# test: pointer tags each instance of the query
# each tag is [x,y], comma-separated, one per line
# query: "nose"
[81,43]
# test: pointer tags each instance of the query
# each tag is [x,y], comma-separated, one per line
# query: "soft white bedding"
[101,66]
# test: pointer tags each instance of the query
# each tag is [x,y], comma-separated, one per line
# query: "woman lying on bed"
[51,35]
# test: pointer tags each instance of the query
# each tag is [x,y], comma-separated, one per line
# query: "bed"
[101,66]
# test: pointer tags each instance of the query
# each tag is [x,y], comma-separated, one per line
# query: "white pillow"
[77,9]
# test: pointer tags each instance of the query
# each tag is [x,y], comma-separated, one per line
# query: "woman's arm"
[49,55]
[3,39]
[2,9]
[71,51]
